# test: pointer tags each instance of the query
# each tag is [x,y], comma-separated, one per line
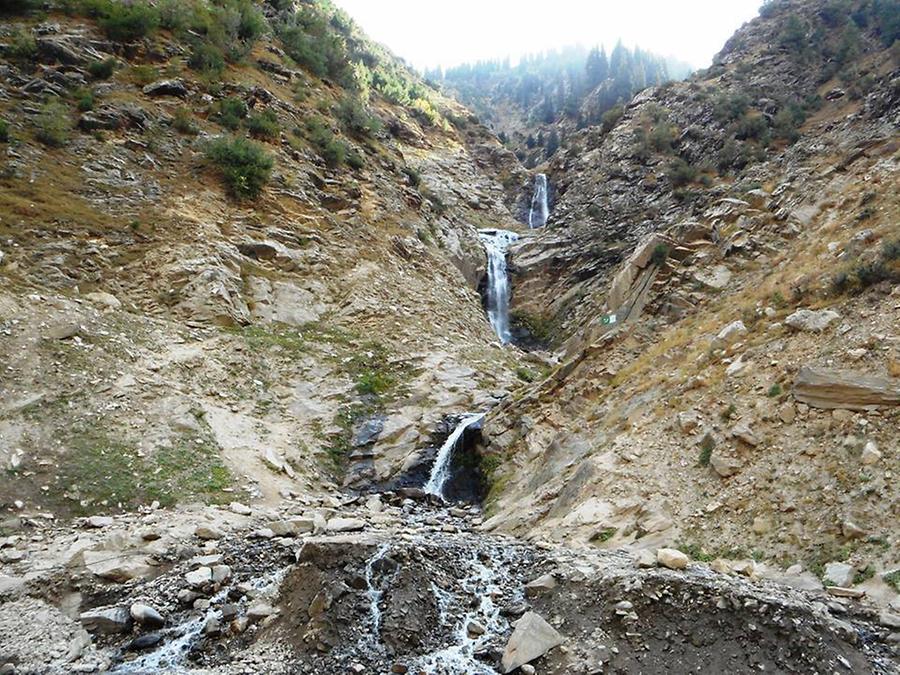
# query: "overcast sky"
[447,32]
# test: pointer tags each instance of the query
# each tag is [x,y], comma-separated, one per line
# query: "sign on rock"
[608,320]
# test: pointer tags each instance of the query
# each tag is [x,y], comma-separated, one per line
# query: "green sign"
[608,320]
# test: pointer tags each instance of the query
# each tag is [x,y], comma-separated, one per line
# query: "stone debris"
[532,638]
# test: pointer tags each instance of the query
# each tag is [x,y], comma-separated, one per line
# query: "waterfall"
[540,207]
[440,472]
[374,594]
[496,243]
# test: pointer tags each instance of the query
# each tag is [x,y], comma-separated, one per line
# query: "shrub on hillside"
[4,131]
[127,22]
[680,173]
[53,125]
[245,166]
[752,127]
[264,125]
[183,122]
[355,119]
[102,70]
[206,58]
[84,99]
[611,117]
[22,46]
[311,42]
[229,112]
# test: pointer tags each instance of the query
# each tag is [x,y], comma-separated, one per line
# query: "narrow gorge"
[311,363]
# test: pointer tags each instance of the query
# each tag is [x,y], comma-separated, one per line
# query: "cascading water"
[540,205]
[374,594]
[496,243]
[440,472]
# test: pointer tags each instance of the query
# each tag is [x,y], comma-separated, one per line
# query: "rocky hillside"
[742,228]
[239,254]
[242,316]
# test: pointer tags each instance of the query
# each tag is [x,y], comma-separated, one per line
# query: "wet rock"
[672,558]
[532,638]
[166,88]
[144,642]
[811,321]
[146,615]
[831,389]
[108,620]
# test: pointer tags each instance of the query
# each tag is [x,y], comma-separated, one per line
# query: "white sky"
[447,32]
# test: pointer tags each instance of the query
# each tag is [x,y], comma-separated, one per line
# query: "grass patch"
[4,131]
[706,449]
[102,70]
[774,391]
[53,125]
[526,374]
[604,535]
[892,579]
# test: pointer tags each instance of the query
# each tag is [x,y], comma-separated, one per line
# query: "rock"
[345,525]
[644,559]
[260,610]
[688,421]
[240,509]
[208,532]
[527,669]
[220,573]
[293,527]
[199,577]
[166,88]
[811,321]
[729,335]
[540,585]
[870,454]
[532,638]
[852,531]
[717,277]
[117,567]
[787,412]
[889,619]
[725,466]
[830,389]
[62,331]
[844,592]
[475,629]
[743,432]
[108,620]
[368,432]
[99,521]
[11,587]
[839,574]
[105,299]
[144,642]
[672,558]
[146,615]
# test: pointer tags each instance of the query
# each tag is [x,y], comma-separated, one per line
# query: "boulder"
[725,466]
[293,527]
[368,432]
[729,335]
[839,574]
[833,389]
[532,638]
[540,585]
[743,432]
[146,615]
[119,567]
[240,509]
[811,321]
[166,88]
[870,454]
[208,532]
[199,577]
[672,558]
[345,525]
[108,620]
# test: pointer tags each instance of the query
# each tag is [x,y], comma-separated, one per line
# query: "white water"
[496,243]
[440,472]
[540,205]
[459,659]
[170,657]
[374,594]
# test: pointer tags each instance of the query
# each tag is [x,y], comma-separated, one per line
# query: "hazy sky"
[447,32]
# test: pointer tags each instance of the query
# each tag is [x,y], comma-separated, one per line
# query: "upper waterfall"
[496,243]
[540,205]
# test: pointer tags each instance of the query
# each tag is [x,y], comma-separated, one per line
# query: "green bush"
[53,125]
[793,35]
[312,42]
[84,99]
[730,107]
[19,6]
[206,58]
[102,70]
[264,125]
[355,160]
[680,173]
[413,177]
[4,131]
[245,166]
[752,127]
[143,74]
[183,122]
[660,254]
[354,118]
[229,112]
[126,23]
[611,118]
[23,46]
[334,152]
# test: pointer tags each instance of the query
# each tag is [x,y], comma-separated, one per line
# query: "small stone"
[811,321]
[99,521]
[532,638]
[540,585]
[475,629]
[146,615]
[527,669]
[870,454]
[743,432]
[839,574]
[889,619]
[221,573]
[644,559]
[260,610]
[240,509]
[852,531]
[345,525]
[787,413]
[198,577]
[725,466]
[208,532]
[844,592]
[672,558]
